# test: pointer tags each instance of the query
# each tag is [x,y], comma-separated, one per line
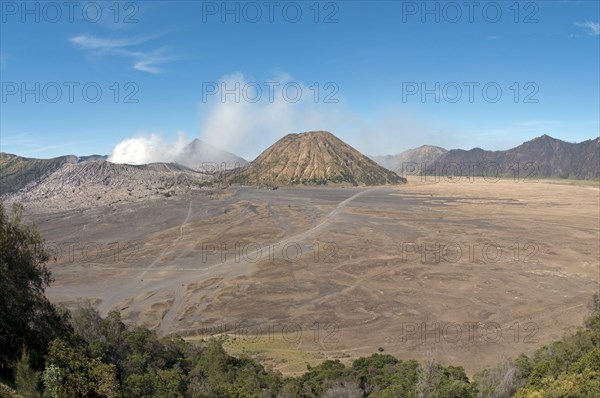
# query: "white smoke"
[148,149]
[246,128]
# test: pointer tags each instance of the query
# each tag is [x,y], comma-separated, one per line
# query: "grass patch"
[272,351]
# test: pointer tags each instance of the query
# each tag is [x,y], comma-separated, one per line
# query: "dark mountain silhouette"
[541,157]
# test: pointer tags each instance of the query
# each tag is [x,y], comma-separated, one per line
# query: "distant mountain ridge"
[66,185]
[313,158]
[16,172]
[201,155]
[92,157]
[424,154]
[541,157]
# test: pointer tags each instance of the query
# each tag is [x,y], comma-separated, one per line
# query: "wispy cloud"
[41,149]
[29,147]
[145,61]
[96,43]
[593,28]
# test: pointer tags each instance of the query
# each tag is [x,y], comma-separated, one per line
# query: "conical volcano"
[313,158]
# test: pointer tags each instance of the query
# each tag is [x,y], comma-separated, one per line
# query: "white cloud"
[148,149]
[91,42]
[143,60]
[146,62]
[593,27]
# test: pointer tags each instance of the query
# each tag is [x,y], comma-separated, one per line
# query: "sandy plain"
[464,271]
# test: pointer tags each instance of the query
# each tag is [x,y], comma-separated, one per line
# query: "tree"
[429,378]
[157,383]
[52,378]
[74,375]
[27,318]
[316,381]
[344,389]
[27,380]
[500,381]
[436,381]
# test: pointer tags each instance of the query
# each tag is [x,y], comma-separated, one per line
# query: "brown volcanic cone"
[316,158]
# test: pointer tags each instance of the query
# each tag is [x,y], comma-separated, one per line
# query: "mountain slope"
[425,154]
[93,183]
[541,157]
[200,155]
[93,157]
[16,171]
[316,157]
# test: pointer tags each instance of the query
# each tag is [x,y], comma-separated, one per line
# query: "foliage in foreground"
[105,358]
[26,315]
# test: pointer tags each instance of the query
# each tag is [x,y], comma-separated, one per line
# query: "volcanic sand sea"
[465,271]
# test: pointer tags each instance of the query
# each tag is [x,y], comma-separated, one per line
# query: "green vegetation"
[567,368]
[26,317]
[54,354]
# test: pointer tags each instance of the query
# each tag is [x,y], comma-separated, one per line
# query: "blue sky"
[161,67]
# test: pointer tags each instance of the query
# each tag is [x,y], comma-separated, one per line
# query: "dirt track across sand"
[467,271]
